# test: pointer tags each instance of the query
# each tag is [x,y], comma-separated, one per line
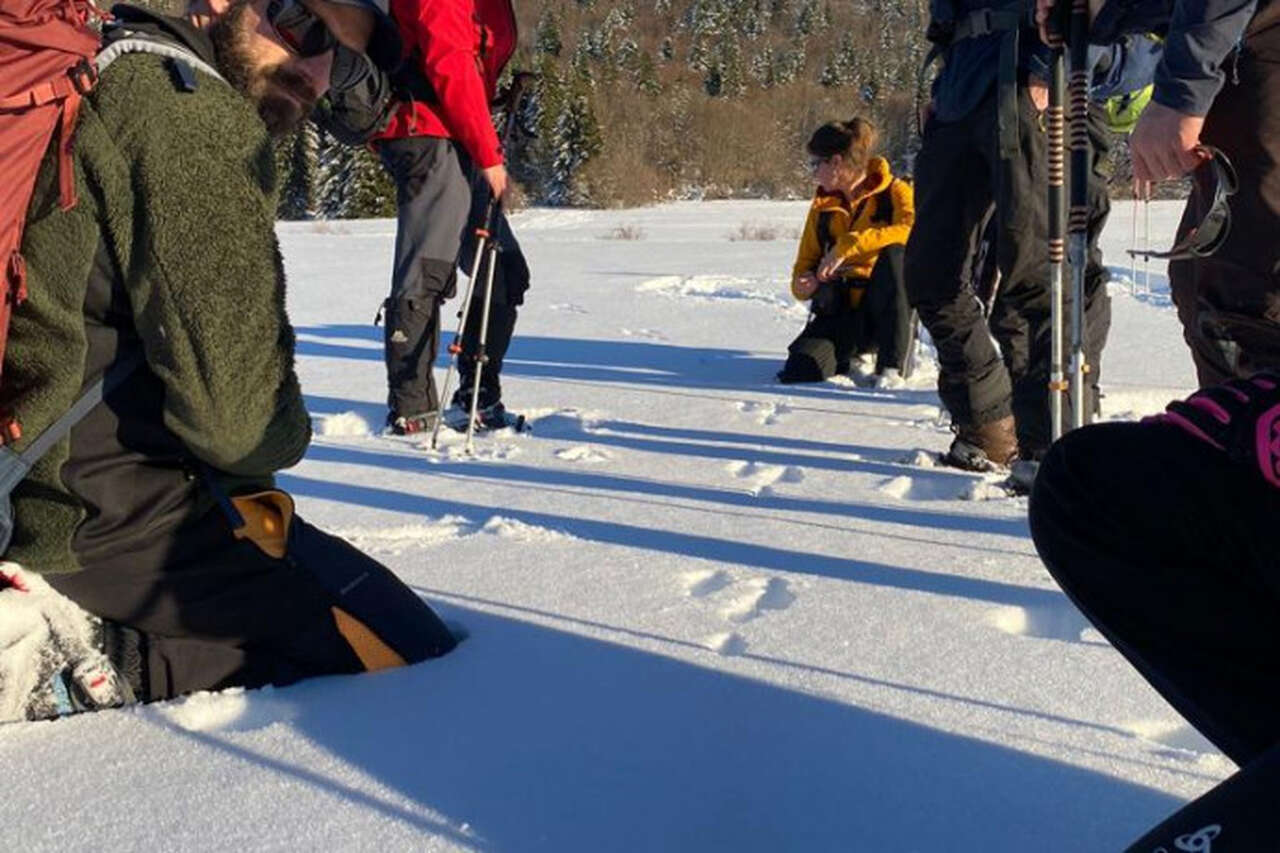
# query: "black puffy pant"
[202,610]
[440,200]
[1170,550]
[882,322]
[960,181]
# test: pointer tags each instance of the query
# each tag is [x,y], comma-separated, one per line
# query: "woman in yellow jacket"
[849,266]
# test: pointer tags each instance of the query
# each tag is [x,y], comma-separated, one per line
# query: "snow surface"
[706,612]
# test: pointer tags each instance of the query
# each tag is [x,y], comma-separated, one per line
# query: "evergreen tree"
[296,166]
[576,137]
[646,75]
[547,36]
[762,68]
[668,49]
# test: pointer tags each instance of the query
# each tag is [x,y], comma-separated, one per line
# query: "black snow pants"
[960,181]
[201,609]
[1229,303]
[881,323]
[440,199]
[1170,550]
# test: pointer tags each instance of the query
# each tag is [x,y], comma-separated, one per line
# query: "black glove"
[1241,418]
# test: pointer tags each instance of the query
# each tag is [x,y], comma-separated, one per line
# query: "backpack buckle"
[84,76]
[10,430]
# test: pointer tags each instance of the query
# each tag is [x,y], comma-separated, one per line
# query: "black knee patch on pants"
[810,360]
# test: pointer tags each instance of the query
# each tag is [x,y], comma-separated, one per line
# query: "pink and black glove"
[1240,417]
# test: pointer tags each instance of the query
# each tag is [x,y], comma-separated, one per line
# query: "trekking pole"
[1057,219]
[1146,241]
[1078,225]
[482,358]
[484,235]
[1133,242]
[455,347]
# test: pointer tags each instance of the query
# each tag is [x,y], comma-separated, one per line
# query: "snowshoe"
[488,418]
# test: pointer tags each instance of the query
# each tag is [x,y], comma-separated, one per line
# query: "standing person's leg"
[953,195]
[431,205]
[1229,303]
[510,281]
[1097,304]
[888,311]
[1020,318]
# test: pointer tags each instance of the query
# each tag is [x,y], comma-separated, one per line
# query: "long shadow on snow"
[629,362]
[515,473]
[543,740]
[686,544]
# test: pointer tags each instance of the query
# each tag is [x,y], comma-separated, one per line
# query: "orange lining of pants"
[267,516]
[372,651]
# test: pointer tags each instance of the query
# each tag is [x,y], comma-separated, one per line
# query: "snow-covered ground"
[706,612]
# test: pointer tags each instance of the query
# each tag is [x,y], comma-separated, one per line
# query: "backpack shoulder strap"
[140,43]
[884,205]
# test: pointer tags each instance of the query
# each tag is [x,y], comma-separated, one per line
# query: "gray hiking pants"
[440,200]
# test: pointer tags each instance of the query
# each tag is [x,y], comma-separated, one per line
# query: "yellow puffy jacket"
[852,228]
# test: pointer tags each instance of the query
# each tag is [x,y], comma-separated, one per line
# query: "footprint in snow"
[584,453]
[727,644]
[1060,621]
[761,478]
[644,334]
[1178,739]
[762,594]
[766,414]
[704,583]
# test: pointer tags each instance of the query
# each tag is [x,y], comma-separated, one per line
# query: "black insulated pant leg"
[1168,548]
[953,197]
[888,311]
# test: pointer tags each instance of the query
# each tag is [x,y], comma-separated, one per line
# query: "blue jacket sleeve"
[1201,34]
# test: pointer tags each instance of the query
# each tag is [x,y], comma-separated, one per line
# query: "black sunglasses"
[1207,237]
[300,30]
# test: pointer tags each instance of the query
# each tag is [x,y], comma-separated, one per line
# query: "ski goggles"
[1207,237]
[299,29]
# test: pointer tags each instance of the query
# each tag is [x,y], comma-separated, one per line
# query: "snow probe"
[486,246]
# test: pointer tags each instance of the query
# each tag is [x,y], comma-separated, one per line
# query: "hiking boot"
[983,447]
[411,424]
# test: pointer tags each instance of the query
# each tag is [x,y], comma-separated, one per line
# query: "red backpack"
[46,65]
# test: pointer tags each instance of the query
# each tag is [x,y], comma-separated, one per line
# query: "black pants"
[202,610]
[1229,303]
[1170,550]
[960,181]
[440,199]
[881,323]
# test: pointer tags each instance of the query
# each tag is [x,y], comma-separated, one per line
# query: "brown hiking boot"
[984,447]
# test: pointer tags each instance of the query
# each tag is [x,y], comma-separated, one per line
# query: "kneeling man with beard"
[157,515]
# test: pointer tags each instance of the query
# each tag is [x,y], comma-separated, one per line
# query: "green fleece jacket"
[176,208]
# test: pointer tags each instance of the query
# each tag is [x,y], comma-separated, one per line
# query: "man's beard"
[284,98]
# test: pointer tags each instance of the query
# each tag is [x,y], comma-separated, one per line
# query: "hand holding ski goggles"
[297,26]
[1207,237]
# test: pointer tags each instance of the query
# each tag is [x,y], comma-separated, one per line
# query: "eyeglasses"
[816,163]
[1207,237]
[300,30]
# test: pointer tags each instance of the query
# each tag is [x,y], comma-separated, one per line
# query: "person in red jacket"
[446,159]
